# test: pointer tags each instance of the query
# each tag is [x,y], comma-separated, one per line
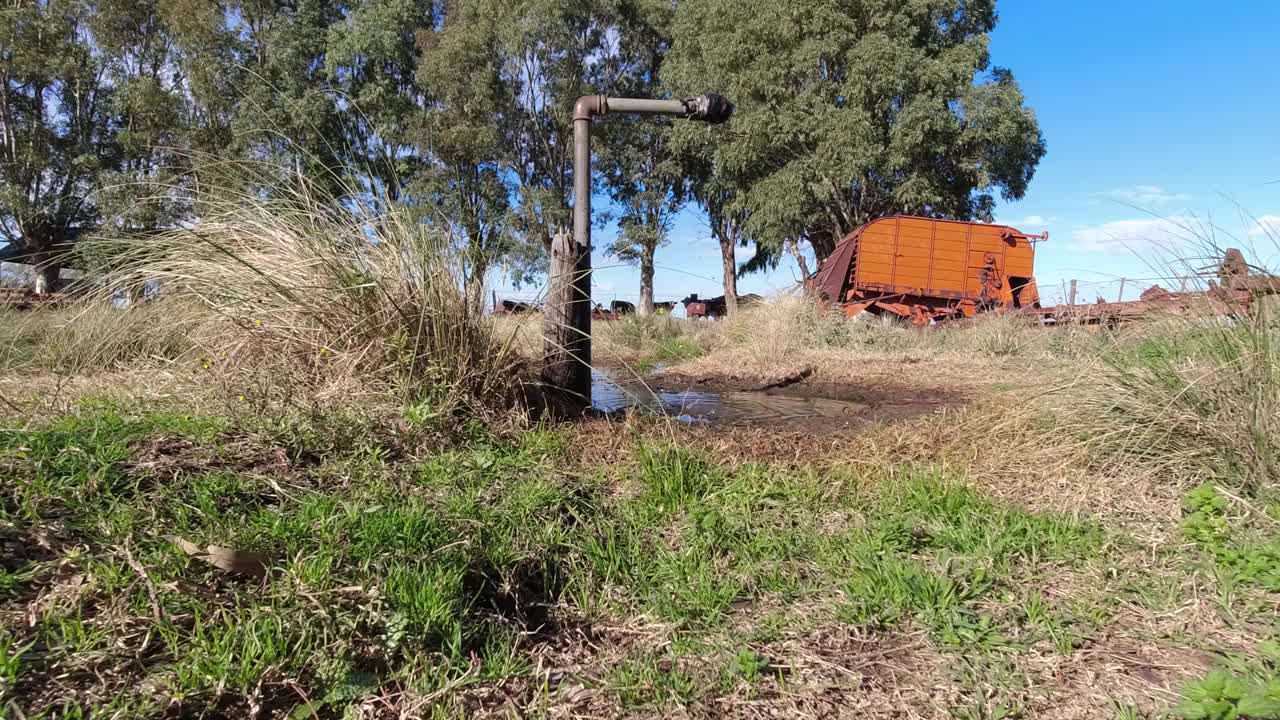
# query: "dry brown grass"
[90,337]
[302,299]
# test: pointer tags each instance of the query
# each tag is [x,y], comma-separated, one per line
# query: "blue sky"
[1158,116]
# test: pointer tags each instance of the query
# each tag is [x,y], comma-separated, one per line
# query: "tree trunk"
[47,273]
[729,264]
[476,267]
[646,280]
[794,248]
[474,286]
[823,245]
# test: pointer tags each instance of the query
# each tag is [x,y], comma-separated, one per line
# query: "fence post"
[566,320]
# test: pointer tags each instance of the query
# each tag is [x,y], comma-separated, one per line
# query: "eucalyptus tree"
[371,58]
[287,117]
[497,137]
[463,181]
[852,110]
[640,172]
[92,120]
[549,53]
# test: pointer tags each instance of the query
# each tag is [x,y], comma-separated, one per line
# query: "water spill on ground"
[699,404]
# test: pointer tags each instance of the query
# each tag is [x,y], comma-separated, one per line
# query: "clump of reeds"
[1201,388]
[328,296]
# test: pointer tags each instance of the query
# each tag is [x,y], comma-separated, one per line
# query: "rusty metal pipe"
[587,108]
[639,106]
[708,108]
[581,311]
[577,350]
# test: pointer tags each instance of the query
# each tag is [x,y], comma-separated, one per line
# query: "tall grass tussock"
[329,299]
[1203,387]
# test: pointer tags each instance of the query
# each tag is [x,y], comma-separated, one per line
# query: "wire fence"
[1075,291]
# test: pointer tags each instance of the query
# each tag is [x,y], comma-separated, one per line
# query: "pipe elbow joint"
[589,106]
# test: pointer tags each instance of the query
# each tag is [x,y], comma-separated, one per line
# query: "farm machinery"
[23,299]
[927,270]
[1232,291]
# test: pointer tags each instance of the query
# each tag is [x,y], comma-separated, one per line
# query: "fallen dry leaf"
[243,562]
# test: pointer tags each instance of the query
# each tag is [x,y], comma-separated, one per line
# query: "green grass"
[1205,392]
[459,568]
[642,341]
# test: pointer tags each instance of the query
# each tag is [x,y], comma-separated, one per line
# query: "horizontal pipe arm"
[707,108]
[638,106]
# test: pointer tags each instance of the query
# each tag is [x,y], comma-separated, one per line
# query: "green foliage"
[10,660]
[370,55]
[454,109]
[503,78]
[675,478]
[649,680]
[1223,696]
[643,176]
[746,667]
[1207,389]
[659,337]
[237,648]
[445,569]
[978,546]
[695,542]
[1205,522]
[886,591]
[847,112]
[429,602]
[62,149]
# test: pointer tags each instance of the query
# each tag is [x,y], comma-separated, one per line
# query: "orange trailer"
[925,269]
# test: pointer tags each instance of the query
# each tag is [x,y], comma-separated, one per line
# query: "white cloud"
[1124,236]
[1145,195]
[1266,226]
[1028,223]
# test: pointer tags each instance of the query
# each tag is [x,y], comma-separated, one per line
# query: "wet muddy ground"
[803,405]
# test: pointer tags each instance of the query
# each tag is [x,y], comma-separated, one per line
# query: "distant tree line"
[114,111]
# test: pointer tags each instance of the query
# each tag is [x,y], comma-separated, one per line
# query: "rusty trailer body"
[926,269]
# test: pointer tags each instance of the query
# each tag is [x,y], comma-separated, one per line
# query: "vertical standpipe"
[567,315]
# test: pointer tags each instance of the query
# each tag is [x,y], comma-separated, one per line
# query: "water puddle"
[703,406]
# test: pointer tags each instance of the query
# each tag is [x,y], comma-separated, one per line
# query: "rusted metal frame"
[1002,271]
[933,251]
[897,248]
[854,269]
[911,290]
[968,254]
[1096,312]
